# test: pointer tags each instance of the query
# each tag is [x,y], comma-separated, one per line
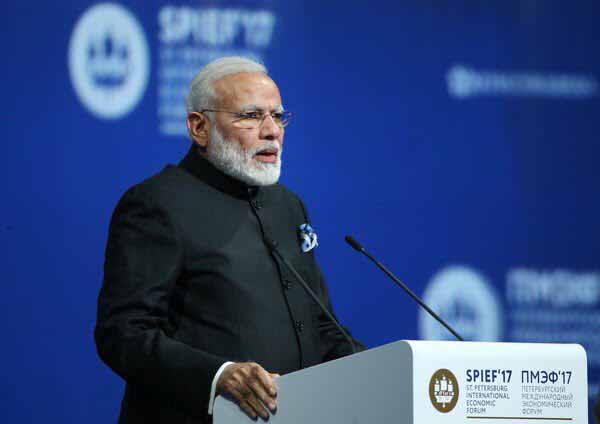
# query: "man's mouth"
[268,155]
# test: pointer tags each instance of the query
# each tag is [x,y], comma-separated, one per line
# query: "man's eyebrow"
[249,108]
[252,108]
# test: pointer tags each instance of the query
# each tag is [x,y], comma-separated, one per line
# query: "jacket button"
[256,204]
[299,326]
[287,284]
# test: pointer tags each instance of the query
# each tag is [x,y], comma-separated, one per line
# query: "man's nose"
[269,129]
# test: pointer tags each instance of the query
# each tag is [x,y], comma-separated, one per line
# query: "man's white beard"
[232,159]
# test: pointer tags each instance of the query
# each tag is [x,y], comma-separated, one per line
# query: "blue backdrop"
[457,140]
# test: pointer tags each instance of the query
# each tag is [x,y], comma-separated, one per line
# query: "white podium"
[424,382]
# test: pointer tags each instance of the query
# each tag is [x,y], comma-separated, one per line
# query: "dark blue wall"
[494,170]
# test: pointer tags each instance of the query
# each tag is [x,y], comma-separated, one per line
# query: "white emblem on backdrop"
[464,298]
[109,60]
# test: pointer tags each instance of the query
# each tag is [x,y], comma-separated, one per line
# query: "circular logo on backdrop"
[109,60]
[463,298]
[443,390]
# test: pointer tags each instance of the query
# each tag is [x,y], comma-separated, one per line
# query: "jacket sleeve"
[333,344]
[144,257]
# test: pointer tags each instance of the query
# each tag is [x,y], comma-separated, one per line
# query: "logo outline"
[109,61]
[444,390]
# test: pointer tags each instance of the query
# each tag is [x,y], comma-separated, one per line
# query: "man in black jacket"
[193,302]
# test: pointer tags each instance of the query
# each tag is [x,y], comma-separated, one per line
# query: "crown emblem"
[108,60]
[443,391]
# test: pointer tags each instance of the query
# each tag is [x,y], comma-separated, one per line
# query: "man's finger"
[265,379]
[248,402]
[248,410]
[262,395]
[257,406]
[241,401]
[237,396]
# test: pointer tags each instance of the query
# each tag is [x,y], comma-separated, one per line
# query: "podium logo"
[443,390]
[109,60]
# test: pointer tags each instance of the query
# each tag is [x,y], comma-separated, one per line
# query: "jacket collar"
[200,167]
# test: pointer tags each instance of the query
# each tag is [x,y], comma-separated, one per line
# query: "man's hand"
[250,386]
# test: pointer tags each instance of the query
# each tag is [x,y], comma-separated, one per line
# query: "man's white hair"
[202,94]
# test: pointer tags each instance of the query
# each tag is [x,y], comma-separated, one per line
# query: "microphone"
[357,246]
[272,244]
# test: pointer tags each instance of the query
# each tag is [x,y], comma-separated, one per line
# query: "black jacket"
[189,283]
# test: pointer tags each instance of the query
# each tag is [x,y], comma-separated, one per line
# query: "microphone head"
[352,242]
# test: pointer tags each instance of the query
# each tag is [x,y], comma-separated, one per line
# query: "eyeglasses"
[254,118]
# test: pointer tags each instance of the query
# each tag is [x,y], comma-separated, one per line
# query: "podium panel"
[464,382]
[434,382]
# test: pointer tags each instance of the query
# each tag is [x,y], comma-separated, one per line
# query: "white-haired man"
[193,303]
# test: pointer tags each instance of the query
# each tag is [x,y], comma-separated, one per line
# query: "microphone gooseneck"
[272,244]
[356,245]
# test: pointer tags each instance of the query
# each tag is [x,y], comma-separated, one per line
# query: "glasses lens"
[252,120]
[248,120]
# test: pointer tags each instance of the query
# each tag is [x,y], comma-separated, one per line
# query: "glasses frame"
[262,120]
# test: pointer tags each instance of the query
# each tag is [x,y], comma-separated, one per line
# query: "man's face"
[248,92]
[250,154]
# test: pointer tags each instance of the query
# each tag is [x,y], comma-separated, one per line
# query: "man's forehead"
[247,89]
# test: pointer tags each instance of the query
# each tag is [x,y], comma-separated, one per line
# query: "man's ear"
[198,128]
